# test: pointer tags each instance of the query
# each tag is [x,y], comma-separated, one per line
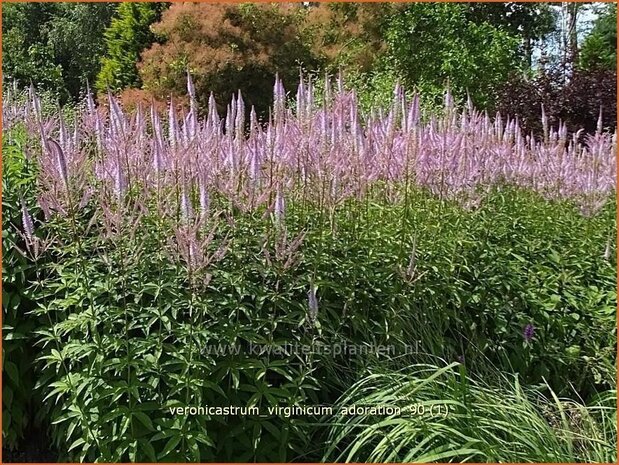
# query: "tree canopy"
[56,46]
[127,36]
[226,48]
[600,47]
[145,49]
[434,45]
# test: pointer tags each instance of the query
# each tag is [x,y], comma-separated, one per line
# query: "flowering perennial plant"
[324,151]
[149,238]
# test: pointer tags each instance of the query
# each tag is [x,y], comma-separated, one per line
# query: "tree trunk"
[572,9]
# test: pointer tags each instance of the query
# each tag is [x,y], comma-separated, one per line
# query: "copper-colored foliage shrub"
[226,47]
[131,98]
[347,35]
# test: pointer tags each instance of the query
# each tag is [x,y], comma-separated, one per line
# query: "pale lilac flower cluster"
[325,151]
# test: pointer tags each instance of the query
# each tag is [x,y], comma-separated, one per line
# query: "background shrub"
[576,101]
[226,48]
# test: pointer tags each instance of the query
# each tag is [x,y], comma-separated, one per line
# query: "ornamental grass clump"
[448,416]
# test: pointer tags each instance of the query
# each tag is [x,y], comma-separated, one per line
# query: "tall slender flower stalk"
[325,153]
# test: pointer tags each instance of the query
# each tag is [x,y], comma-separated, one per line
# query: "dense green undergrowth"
[108,328]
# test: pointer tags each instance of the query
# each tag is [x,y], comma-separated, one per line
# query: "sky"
[585,20]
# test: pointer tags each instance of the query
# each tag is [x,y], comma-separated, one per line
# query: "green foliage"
[347,36]
[76,38]
[109,329]
[530,22]
[128,34]
[600,46]
[126,331]
[56,46]
[450,416]
[532,266]
[26,54]
[472,46]
[18,324]
[431,45]
[527,20]
[130,340]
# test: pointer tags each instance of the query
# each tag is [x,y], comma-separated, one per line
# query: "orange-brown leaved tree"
[227,47]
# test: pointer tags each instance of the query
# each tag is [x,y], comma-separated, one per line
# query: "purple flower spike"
[529,332]
[61,161]
[186,210]
[312,303]
[90,103]
[279,206]
[204,200]
[27,222]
